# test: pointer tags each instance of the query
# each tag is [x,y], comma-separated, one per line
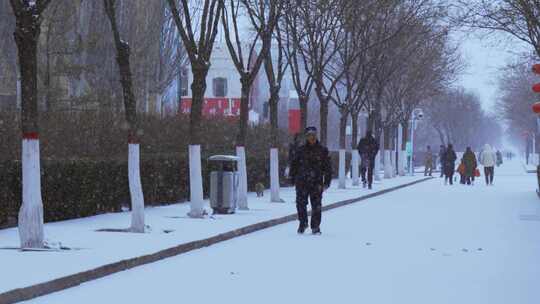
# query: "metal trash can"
[224,181]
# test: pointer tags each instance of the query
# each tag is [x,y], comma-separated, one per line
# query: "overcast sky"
[484,57]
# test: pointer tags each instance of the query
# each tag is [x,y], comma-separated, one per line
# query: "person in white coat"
[488,159]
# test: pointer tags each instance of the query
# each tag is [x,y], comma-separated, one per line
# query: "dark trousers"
[489,172]
[369,170]
[314,194]
[449,177]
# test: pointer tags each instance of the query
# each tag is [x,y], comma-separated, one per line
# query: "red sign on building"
[212,107]
[294,121]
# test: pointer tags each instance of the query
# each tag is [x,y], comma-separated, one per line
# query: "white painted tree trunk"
[393,162]
[31,212]
[195,182]
[135,188]
[355,168]
[402,162]
[342,177]
[377,172]
[387,164]
[274,176]
[243,186]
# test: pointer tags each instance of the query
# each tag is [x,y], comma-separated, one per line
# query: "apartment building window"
[220,87]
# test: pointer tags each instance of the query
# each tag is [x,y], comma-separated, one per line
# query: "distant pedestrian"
[428,162]
[461,171]
[449,164]
[311,171]
[499,158]
[489,159]
[469,160]
[368,147]
[442,150]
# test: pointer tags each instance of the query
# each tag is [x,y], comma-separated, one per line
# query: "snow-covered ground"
[428,243]
[21,269]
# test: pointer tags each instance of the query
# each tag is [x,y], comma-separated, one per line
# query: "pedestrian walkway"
[170,227]
[428,243]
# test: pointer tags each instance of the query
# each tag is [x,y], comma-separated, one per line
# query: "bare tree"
[320,22]
[28,15]
[199,50]
[172,57]
[518,18]
[458,117]
[516,99]
[297,58]
[275,69]
[130,105]
[263,16]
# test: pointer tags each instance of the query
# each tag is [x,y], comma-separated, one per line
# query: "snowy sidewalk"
[424,244]
[529,168]
[22,269]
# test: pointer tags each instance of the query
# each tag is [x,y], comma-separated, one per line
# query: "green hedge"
[81,188]
[84,161]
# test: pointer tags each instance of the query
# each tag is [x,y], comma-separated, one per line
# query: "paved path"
[425,244]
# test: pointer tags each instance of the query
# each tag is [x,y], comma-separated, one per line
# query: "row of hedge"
[84,162]
[81,188]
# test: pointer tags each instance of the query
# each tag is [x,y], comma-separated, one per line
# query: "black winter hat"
[311,130]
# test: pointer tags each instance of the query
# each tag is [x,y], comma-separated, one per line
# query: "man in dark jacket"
[311,171]
[442,150]
[368,148]
[293,149]
[449,159]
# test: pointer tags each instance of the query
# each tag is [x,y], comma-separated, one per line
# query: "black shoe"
[316,231]
[369,187]
[301,229]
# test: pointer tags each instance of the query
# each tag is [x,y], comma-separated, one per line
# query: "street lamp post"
[417,114]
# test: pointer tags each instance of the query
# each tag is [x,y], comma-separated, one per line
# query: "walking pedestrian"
[428,162]
[499,158]
[449,164]
[368,147]
[469,160]
[442,150]
[461,171]
[311,171]
[488,159]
